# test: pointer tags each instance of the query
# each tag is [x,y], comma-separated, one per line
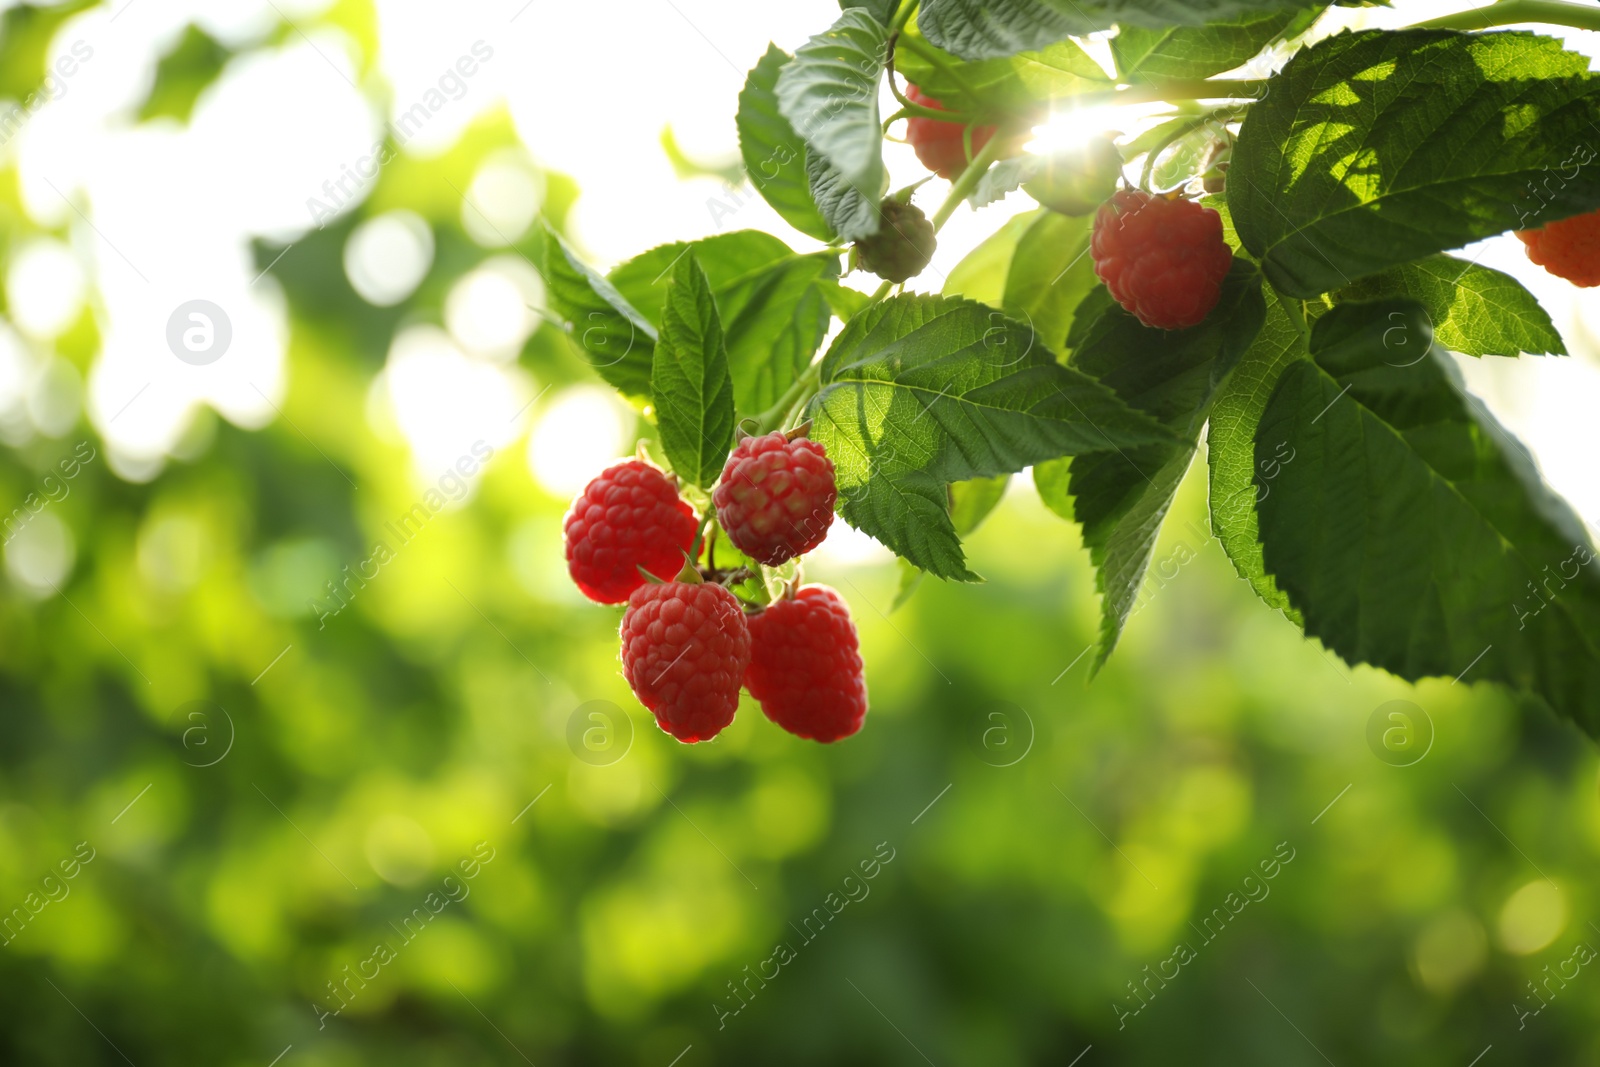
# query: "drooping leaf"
[983,29]
[771,302]
[971,502]
[1476,310]
[1374,149]
[1121,497]
[774,155]
[1051,273]
[1231,449]
[921,391]
[614,336]
[689,380]
[1412,532]
[1155,53]
[852,214]
[1004,178]
[1012,85]
[829,95]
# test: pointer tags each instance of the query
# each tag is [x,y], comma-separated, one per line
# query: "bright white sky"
[168,211]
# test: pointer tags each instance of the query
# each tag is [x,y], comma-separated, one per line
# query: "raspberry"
[1568,249]
[902,246]
[1163,259]
[775,500]
[804,666]
[940,145]
[685,647]
[629,517]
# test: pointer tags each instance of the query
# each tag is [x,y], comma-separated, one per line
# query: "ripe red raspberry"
[1568,249]
[776,496]
[1163,259]
[805,668]
[629,517]
[940,145]
[685,647]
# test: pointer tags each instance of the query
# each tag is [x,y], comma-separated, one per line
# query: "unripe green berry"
[903,245]
[1076,181]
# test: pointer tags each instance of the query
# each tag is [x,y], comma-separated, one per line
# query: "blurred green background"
[264,796]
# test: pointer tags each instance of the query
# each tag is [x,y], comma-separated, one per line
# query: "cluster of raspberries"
[689,644]
[1163,257]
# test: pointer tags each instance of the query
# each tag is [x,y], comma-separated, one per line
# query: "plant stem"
[773,417]
[1513,12]
[901,17]
[969,178]
[1297,315]
[935,60]
[700,532]
[1182,89]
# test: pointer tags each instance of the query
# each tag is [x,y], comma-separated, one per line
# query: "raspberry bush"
[1261,248]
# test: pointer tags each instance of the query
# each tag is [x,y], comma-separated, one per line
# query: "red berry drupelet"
[1569,248]
[805,667]
[1163,259]
[685,647]
[775,500]
[940,145]
[629,517]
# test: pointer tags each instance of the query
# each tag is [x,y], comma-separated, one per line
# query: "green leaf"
[1035,268]
[878,9]
[774,155]
[971,502]
[920,391]
[851,213]
[829,94]
[1374,149]
[981,274]
[1412,532]
[984,29]
[1231,449]
[1476,310]
[616,338]
[771,302]
[689,379]
[1121,498]
[1053,480]
[1013,85]
[1051,273]
[193,64]
[1147,54]
[1003,179]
